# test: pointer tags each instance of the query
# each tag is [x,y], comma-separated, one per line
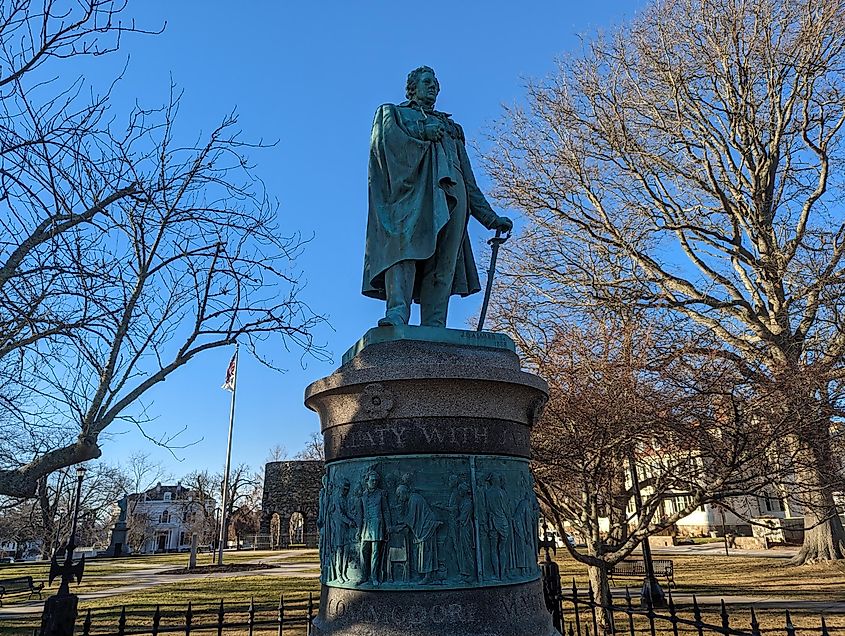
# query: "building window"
[167,496]
[165,517]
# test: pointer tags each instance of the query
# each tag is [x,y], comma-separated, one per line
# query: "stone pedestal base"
[428,516]
[507,610]
[59,615]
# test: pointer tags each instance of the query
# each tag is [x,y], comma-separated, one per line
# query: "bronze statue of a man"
[421,195]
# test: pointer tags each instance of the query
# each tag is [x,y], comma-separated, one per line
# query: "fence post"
[310,613]
[755,626]
[552,590]
[251,614]
[281,614]
[629,610]
[189,614]
[673,614]
[156,620]
[591,597]
[576,610]
[790,627]
[86,626]
[726,619]
[696,612]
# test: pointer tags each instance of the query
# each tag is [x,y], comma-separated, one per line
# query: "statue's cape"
[408,205]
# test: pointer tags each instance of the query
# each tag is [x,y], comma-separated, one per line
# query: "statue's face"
[372,482]
[426,89]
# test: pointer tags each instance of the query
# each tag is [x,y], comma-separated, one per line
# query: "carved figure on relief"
[322,528]
[459,544]
[525,519]
[353,537]
[465,542]
[498,525]
[375,515]
[340,521]
[419,519]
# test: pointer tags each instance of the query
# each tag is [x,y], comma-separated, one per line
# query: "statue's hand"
[502,223]
[433,129]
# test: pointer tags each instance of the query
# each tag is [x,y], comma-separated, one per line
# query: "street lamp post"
[60,610]
[217,534]
[651,592]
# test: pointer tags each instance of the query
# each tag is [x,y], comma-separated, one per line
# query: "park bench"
[19,585]
[632,568]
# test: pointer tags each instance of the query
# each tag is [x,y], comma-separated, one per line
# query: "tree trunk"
[601,589]
[824,536]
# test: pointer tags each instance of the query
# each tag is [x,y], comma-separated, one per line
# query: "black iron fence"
[282,619]
[579,613]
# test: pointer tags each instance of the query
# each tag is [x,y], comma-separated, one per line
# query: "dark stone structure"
[291,487]
[117,544]
[429,519]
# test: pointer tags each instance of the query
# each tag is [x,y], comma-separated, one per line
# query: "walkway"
[150,576]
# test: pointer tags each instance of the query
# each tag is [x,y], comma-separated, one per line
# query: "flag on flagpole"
[229,384]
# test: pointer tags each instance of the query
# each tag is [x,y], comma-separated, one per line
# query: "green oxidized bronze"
[410,522]
[422,192]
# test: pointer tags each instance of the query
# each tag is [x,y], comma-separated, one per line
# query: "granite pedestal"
[428,519]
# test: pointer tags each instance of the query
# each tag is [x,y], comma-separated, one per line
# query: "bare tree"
[276,454]
[687,163]
[626,396]
[313,449]
[46,519]
[125,250]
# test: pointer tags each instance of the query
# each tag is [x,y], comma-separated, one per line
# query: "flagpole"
[228,462]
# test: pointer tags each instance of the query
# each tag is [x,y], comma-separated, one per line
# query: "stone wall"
[290,487]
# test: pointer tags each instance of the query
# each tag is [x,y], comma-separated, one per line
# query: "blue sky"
[310,75]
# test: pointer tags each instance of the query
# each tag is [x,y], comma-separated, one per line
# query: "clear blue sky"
[311,74]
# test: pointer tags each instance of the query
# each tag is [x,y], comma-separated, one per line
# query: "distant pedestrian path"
[139,574]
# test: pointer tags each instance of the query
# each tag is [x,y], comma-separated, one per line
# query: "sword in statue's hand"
[495,243]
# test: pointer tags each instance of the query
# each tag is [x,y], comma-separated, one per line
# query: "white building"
[712,518]
[163,518]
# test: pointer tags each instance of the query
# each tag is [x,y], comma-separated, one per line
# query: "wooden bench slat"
[636,568]
[19,585]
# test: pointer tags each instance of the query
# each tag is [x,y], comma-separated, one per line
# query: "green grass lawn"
[739,576]
[702,575]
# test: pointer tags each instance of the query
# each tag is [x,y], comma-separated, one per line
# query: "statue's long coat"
[409,201]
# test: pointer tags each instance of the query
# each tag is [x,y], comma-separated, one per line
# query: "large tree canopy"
[690,163]
[124,250]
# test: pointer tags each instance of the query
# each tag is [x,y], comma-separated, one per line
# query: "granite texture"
[437,335]
[513,610]
[374,438]
[430,515]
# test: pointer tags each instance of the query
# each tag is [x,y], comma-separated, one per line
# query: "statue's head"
[422,86]
[402,493]
[371,480]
